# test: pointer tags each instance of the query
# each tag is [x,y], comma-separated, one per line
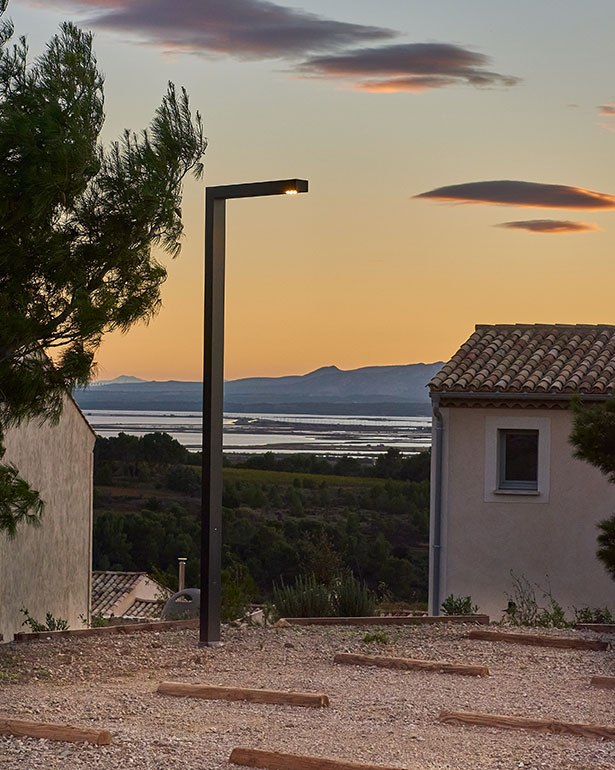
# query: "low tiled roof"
[109,587]
[539,359]
[145,608]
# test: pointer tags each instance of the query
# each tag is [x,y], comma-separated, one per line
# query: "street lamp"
[213,389]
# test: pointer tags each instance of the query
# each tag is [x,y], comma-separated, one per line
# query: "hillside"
[328,390]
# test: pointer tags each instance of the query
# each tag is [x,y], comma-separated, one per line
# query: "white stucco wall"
[549,538]
[49,568]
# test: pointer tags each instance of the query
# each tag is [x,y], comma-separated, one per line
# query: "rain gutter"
[437,523]
[487,395]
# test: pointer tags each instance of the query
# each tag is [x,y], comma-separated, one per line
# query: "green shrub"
[380,637]
[459,605]
[306,599]
[238,590]
[51,623]
[523,608]
[182,478]
[593,615]
[351,598]
[97,620]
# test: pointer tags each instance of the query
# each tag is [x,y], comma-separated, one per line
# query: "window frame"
[493,491]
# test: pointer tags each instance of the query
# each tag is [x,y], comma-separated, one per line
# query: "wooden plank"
[128,628]
[599,628]
[185,690]
[274,760]
[539,641]
[385,620]
[603,681]
[21,728]
[410,664]
[522,723]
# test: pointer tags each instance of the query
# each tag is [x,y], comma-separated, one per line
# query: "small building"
[47,568]
[127,595]
[508,497]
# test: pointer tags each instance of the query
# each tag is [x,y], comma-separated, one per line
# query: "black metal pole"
[213,391]
[213,405]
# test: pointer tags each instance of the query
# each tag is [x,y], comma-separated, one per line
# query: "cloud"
[409,67]
[528,194]
[249,29]
[552,226]
[607,109]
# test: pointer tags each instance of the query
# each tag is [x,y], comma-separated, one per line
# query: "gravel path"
[377,715]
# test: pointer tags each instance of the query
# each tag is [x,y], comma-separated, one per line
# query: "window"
[518,459]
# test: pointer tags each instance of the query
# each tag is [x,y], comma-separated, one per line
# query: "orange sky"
[359,272]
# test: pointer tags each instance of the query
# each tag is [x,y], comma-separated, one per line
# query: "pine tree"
[78,223]
[593,437]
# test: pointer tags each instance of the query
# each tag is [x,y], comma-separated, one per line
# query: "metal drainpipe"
[437,527]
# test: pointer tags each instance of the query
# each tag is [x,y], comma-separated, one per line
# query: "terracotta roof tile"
[150,609]
[109,587]
[538,358]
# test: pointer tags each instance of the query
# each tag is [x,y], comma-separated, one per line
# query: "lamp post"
[213,389]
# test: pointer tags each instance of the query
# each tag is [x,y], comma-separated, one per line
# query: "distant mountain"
[328,390]
[123,379]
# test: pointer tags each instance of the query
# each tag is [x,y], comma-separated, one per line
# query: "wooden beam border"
[385,620]
[607,682]
[410,664]
[128,628]
[275,760]
[561,642]
[603,732]
[21,728]
[251,695]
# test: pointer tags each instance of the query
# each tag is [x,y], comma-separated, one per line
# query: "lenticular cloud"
[409,67]
[256,29]
[551,226]
[526,194]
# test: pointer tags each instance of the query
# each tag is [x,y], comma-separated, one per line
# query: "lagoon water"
[331,435]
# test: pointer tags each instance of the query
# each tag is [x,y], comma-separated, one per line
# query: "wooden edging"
[521,723]
[21,728]
[410,664]
[599,628]
[539,641]
[603,681]
[274,760]
[184,690]
[129,628]
[384,620]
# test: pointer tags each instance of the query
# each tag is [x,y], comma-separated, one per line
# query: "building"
[128,595]
[508,497]
[48,568]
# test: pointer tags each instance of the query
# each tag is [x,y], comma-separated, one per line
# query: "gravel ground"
[380,716]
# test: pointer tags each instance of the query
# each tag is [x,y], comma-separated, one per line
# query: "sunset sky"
[461,160]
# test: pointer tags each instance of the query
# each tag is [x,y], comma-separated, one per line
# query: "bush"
[593,615]
[459,605]
[182,478]
[350,598]
[306,599]
[380,637]
[51,623]
[523,609]
[238,590]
